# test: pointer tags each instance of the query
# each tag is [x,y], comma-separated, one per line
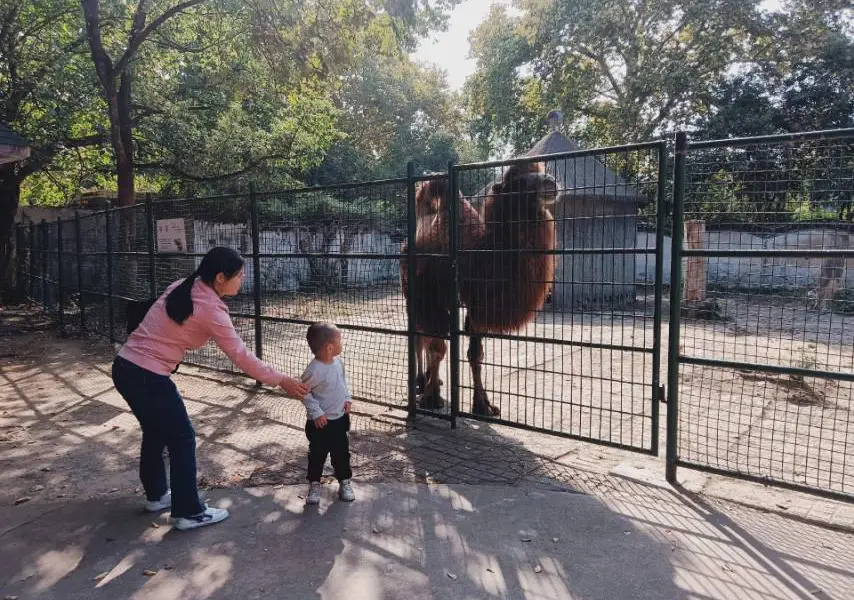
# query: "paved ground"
[480,512]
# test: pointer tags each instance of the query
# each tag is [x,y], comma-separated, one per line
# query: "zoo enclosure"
[758,378]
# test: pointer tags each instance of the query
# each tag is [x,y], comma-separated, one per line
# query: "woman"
[189,314]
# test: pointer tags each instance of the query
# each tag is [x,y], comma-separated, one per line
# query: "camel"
[501,290]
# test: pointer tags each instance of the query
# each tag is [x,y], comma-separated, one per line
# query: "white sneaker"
[208,517]
[158,505]
[345,491]
[313,496]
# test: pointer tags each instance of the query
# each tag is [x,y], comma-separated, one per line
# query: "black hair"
[179,303]
[319,334]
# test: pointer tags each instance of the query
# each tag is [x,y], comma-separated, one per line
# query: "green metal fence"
[762,348]
[535,296]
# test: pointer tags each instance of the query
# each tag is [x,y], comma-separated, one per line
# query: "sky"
[449,49]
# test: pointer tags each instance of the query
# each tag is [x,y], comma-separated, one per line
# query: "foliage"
[620,70]
[392,111]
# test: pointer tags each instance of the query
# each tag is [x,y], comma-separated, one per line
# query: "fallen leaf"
[10,598]
[22,500]
[100,576]
[45,469]
[114,490]
[149,573]
[490,569]
[727,568]
[538,569]
[525,539]
[783,507]
[375,529]
[451,576]
[155,526]
[815,591]
[38,488]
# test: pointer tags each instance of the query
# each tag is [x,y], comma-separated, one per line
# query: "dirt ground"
[589,374]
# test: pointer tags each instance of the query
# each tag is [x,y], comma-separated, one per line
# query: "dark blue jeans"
[161,413]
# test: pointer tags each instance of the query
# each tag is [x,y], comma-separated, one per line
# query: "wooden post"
[696,266]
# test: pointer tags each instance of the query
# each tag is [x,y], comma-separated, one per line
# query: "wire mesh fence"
[558,258]
[766,332]
[530,293]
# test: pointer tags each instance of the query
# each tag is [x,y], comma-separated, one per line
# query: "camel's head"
[527,187]
[431,195]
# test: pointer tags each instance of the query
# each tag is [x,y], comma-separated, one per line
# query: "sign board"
[171,235]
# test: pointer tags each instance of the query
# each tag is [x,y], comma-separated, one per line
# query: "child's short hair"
[319,334]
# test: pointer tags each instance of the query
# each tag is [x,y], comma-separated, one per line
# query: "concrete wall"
[288,274]
[756,272]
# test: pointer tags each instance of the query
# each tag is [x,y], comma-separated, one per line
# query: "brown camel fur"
[501,290]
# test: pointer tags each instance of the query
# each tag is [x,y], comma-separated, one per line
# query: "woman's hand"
[293,387]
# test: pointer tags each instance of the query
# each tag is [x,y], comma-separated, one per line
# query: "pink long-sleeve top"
[159,343]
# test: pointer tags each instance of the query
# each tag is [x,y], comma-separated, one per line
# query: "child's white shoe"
[313,496]
[345,491]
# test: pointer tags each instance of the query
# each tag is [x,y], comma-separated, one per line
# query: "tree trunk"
[10,194]
[125,163]
[122,141]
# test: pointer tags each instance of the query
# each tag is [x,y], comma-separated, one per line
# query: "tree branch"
[138,38]
[600,60]
[85,142]
[249,166]
[103,64]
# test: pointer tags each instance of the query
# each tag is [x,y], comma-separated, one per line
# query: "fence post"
[30,278]
[152,272]
[19,260]
[411,225]
[453,207]
[60,289]
[79,250]
[675,306]
[660,223]
[110,315]
[44,251]
[256,270]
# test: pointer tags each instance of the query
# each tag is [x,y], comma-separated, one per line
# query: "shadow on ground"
[480,512]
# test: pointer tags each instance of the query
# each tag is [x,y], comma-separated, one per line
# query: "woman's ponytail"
[179,302]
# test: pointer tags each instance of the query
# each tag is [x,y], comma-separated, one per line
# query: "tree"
[297,52]
[803,87]
[620,70]
[115,76]
[47,95]
[391,111]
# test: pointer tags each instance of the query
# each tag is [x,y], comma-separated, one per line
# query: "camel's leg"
[435,349]
[480,401]
[420,378]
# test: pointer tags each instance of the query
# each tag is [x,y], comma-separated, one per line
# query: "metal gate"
[762,323]
[571,349]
